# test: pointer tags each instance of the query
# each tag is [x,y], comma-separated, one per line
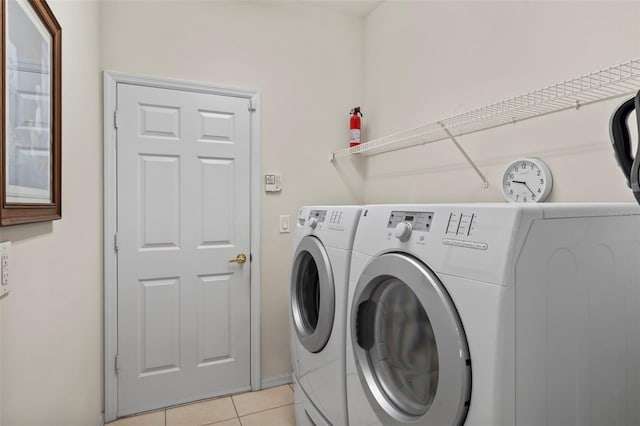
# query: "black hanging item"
[621,141]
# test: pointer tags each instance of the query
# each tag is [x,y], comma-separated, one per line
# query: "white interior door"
[183,200]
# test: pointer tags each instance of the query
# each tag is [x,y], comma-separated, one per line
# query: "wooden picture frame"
[30,115]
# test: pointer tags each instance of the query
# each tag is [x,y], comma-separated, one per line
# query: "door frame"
[110,81]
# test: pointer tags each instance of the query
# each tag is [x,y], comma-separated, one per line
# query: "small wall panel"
[218,203]
[563,350]
[159,189]
[160,121]
[214,319]
[216,127]
[607,375]
[160,325]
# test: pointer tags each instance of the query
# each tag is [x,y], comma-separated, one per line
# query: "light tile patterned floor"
[269,407]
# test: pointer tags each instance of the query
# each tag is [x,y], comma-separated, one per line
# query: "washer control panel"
[419,221]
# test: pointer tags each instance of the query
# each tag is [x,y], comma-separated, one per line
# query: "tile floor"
[267,407]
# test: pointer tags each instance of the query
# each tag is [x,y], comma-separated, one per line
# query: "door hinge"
[251,108]
[115,241]
[115,119]
[117,364]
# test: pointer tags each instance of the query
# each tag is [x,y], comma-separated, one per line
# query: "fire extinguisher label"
[355,136]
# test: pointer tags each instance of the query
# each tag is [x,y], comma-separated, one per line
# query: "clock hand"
[525,185]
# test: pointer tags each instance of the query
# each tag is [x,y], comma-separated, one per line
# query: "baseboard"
[265,383]
[270,382]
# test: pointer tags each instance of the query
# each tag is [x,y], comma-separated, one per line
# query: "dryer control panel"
[462,224]
[466,240]
[461,228]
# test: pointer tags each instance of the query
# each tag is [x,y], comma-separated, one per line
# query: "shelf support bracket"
[485,183]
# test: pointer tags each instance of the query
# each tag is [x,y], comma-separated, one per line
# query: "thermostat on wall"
[272,183]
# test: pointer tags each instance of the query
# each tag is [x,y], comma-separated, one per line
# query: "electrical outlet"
[285,224]
[4,267]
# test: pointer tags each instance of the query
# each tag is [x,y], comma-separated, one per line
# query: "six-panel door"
[183,213]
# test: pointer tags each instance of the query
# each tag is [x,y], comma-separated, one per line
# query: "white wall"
[425,61]
[307,64]
[422,62]
[52,319]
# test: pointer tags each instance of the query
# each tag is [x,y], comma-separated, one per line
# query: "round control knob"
[403,231]
[313,222]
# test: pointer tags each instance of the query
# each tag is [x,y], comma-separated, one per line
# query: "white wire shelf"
[609,83]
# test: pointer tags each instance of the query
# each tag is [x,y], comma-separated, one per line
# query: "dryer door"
[410,348]
[312,294]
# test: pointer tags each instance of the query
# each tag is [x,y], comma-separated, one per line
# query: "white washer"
[495,314]
[319,281]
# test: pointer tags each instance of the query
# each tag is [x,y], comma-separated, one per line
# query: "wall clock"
[527,180]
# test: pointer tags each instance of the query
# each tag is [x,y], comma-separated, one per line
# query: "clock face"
[527,180]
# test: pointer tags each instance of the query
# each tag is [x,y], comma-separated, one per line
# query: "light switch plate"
[285,224]
[4,267]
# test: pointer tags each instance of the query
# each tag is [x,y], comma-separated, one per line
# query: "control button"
[334,217]
[403,231]
[421,238]
[463,224]
[313,222]
[452,226]
[465,244]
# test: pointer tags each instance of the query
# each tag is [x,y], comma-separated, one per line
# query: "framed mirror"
[30,154]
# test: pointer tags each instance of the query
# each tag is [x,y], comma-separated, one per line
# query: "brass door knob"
[241,258]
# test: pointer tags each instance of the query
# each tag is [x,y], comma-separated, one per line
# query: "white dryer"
[495,314]
[319,282]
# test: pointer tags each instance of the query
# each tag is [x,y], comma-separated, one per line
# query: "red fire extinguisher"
[354,126]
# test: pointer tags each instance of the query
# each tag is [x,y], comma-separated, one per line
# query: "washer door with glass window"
[410,348]
[312,294]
